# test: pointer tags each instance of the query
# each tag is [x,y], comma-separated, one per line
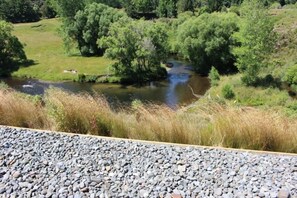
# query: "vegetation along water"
[218,73]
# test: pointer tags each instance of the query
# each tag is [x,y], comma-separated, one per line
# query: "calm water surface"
[174,91]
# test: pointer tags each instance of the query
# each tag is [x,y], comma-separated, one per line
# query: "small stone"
[81,185]
[16,174]
[49,194]
[181,168]
[284,193]
[143,193]
[45,162]
[180,162]
[2,189]
[218,192]
[86,189]
[77,195]
[107,168]
[176,195]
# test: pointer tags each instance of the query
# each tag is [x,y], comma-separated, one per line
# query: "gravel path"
[57,165]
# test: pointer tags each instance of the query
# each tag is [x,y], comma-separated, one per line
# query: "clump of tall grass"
[160,123]
[18,110]
[252,128]
[79,113]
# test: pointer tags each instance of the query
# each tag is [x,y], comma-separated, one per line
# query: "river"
[174,91]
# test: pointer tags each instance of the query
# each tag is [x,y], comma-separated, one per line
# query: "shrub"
[214,77]
[227,92]
[291,75]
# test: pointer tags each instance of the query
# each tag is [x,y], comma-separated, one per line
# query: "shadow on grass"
[15,66]
[269,81]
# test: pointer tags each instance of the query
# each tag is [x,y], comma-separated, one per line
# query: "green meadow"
[44,46]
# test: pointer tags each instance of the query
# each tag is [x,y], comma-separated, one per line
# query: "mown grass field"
[45,47]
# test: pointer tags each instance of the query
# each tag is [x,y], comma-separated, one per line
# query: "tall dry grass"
[251,128]
[211,124]
[82,113]
[18,110]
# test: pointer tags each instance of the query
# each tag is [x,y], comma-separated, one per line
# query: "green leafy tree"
[140,8]
[167,8]
[11,50]
[18,11]
[256,38]
[91,24]
[206,41]
[139,47]
[185,5]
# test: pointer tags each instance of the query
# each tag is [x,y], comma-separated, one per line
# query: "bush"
[291,75]
[214,77]
[228,92]
[275,5]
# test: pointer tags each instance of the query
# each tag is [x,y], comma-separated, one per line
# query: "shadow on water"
[174,91]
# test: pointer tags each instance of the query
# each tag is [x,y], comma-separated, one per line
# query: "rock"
[84,190]
[284,193]
[181,168]
[218,192]
[16,174]
[176,195]
[107,168]
[2,189]
[143,193]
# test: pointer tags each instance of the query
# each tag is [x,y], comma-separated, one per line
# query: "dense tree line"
[223,40]
[32,10]
[19,11]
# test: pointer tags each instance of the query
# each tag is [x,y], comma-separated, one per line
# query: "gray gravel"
[38,164]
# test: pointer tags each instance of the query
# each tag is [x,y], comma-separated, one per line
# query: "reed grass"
[18,110]
[211,124]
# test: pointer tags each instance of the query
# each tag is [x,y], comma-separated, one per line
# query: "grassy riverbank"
[44,46]
[207,124]
[271,93]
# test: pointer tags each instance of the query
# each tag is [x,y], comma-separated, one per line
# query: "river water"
[174,91]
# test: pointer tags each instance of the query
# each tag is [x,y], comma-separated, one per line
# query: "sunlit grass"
[45,47]
[209,123]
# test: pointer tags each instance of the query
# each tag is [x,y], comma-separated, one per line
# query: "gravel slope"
[56,165]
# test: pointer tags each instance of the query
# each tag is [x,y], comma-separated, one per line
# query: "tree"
[91,24]
[140,8]
[167,8]
[18,11]
[206,41]
[11,50]
[256,38]
[139,47]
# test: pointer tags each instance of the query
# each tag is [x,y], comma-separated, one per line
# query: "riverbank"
[34,163]
[208,123]
[50,62]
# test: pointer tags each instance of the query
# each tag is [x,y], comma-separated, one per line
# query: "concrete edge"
[258,152]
